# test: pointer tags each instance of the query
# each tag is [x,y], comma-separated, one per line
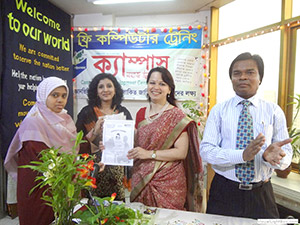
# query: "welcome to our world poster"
[36,44]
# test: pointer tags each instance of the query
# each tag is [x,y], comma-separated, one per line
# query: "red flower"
[91,182]
[118,218]
[104,221]
[90,165]
[83,172]
[85,156]
[113,196]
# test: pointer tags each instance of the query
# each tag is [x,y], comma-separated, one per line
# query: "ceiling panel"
[76,7]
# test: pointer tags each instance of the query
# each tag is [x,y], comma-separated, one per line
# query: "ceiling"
[75,7]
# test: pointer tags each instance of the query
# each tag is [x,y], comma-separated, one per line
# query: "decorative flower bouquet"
[65,175]
[106,211]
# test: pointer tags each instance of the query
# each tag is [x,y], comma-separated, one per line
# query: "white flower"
[51,152]
[47,175]
[51,166]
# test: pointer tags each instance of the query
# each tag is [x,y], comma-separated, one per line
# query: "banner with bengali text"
[129,56]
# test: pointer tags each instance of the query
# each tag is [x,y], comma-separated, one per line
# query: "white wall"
[158,21]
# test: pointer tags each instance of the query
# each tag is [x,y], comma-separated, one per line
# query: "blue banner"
[137,40]
[129,55]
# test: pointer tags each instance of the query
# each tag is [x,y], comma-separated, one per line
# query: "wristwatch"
[153,156]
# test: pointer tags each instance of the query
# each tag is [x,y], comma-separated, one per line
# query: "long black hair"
[93,98]
[167,78]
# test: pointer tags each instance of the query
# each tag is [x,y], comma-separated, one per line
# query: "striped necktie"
[244,171]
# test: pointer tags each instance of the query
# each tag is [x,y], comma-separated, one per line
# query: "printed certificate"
[118,139]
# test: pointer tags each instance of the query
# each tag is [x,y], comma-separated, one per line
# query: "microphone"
[94,173]
[91,200]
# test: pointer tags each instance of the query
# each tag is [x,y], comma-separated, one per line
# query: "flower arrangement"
[106,211]
[65,176]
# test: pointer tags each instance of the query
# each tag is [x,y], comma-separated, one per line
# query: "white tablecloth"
[176,217]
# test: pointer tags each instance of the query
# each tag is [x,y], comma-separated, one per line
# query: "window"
[297,78]
[296,8]
[268,47]
[240,16]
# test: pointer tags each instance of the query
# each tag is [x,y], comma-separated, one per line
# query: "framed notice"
[118,139]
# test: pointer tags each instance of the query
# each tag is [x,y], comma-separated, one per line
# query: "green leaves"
[71,190]
[110,213]
[63,175]
[59,174]
[194,111]
[78,140]
[294,132]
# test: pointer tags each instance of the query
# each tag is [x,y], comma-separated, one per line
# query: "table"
[287,191]
[177,217]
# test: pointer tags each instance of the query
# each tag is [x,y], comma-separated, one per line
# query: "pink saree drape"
[173,185]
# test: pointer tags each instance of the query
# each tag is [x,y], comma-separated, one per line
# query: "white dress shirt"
[218,146]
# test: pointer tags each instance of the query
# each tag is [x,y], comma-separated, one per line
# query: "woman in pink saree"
[167,171]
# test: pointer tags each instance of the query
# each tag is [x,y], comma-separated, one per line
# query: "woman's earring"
[168,96]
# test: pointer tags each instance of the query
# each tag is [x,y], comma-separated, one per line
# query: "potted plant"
[294,133]
[65,176]
[193,110]
[106,211]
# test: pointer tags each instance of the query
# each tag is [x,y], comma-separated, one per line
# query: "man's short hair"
[246,56]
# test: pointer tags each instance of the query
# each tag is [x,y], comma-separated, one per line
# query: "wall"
[159,21]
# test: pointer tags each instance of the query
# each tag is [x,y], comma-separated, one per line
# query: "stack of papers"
[119,116]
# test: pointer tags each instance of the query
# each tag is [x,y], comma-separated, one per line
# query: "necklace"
[147,116]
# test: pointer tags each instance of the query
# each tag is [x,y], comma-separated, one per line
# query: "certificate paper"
[118,138]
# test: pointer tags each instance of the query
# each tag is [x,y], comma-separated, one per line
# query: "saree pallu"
[174,185]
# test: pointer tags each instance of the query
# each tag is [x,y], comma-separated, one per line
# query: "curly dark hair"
[93,98]
[166,77]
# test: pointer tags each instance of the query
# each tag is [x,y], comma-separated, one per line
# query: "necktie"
[244,171]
